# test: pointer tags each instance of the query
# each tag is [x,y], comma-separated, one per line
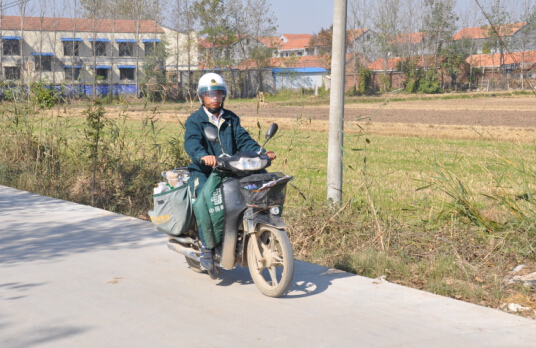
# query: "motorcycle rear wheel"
[273,272]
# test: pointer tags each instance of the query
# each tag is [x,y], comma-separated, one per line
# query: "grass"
[446,215]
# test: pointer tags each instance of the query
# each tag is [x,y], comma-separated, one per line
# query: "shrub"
[430,83]
[364,80]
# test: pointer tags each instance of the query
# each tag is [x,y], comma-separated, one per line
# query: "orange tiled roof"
[378,64]
[273,42]
[409,38]
[482,32]
[494,60]
[296,44]
[393,62]
[203,43]
[297,36]
[353,33]
[79,25]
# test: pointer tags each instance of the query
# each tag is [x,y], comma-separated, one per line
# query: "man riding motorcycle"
[212,92]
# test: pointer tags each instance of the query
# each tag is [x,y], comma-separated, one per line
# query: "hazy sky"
[302,16]
[293,16]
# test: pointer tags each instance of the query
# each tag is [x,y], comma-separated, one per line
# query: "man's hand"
[209,161]
[271,154]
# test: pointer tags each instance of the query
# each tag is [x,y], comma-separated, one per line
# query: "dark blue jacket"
[233,137]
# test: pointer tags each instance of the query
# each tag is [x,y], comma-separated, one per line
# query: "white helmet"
[211,82]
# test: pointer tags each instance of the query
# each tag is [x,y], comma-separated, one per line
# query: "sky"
[302,16]
[293,16]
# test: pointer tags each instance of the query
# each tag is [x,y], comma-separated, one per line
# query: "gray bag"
[173,212]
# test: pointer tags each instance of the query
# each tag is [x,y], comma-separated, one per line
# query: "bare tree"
[386,27]
[525,41]
[471,17]
[184,24]
[43,5]
[439,24]
[262,25]
[359,15]
[2,41]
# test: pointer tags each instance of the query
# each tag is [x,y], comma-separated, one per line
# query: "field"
[437,191]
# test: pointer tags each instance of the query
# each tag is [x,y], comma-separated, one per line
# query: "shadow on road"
[309,279]
[41,228]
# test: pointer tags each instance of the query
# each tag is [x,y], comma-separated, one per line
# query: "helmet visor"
[214,94]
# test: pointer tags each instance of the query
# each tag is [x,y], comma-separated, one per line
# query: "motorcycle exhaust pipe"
[188,252]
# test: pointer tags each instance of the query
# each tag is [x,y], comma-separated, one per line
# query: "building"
[362,42]
[232,51]
[512,35]
[296,45]
[76,51]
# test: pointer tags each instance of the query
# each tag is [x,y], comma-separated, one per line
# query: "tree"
[323,42]
[154,73]
[126,9]
[92,11]
[439,24]
[526,38]
[262,23]
[215,27]
[385,18]
[184,25]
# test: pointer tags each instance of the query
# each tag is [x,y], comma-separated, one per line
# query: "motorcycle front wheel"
[271,260]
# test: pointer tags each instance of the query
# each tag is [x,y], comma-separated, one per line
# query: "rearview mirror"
[211,134]
[271,131]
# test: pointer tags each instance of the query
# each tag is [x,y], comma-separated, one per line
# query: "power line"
[13,4]
[494,27]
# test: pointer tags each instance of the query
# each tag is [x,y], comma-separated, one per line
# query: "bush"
[364,80]
[430,83]
[352,92]
[44,98]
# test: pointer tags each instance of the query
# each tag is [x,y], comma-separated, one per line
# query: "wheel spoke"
[273,275]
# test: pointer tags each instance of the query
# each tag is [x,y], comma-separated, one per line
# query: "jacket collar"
[204,117]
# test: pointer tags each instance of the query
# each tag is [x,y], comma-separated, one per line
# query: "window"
[70,48]
[150,47]
[12,72]
[43,63]
[126,49]
[100,49]
[300,53]
[102,74]
[72,73]
[368,37]
[11,47]
[126,74]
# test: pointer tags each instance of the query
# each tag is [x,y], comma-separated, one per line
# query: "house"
[69,50]
[512,35]
[296,44]
[232,51]
[295,78]
[412,44]
[361,41]
[393,64]
[512,61]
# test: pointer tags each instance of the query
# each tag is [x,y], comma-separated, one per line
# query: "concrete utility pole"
[336,105]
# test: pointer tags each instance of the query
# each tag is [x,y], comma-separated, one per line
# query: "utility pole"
[336,105]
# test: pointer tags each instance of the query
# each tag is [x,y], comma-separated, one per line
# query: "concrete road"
[76,276]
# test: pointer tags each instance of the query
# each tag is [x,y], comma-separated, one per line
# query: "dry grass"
[404,216]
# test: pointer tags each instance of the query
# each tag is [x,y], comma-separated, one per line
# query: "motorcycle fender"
[251,226]
[265,219]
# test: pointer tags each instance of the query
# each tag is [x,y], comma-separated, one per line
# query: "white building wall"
[50,42]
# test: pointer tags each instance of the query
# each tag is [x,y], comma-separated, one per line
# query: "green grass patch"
[447,216]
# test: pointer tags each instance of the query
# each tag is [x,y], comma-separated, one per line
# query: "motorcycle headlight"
[249,163]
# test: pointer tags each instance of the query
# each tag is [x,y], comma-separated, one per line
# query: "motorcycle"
[254,234]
